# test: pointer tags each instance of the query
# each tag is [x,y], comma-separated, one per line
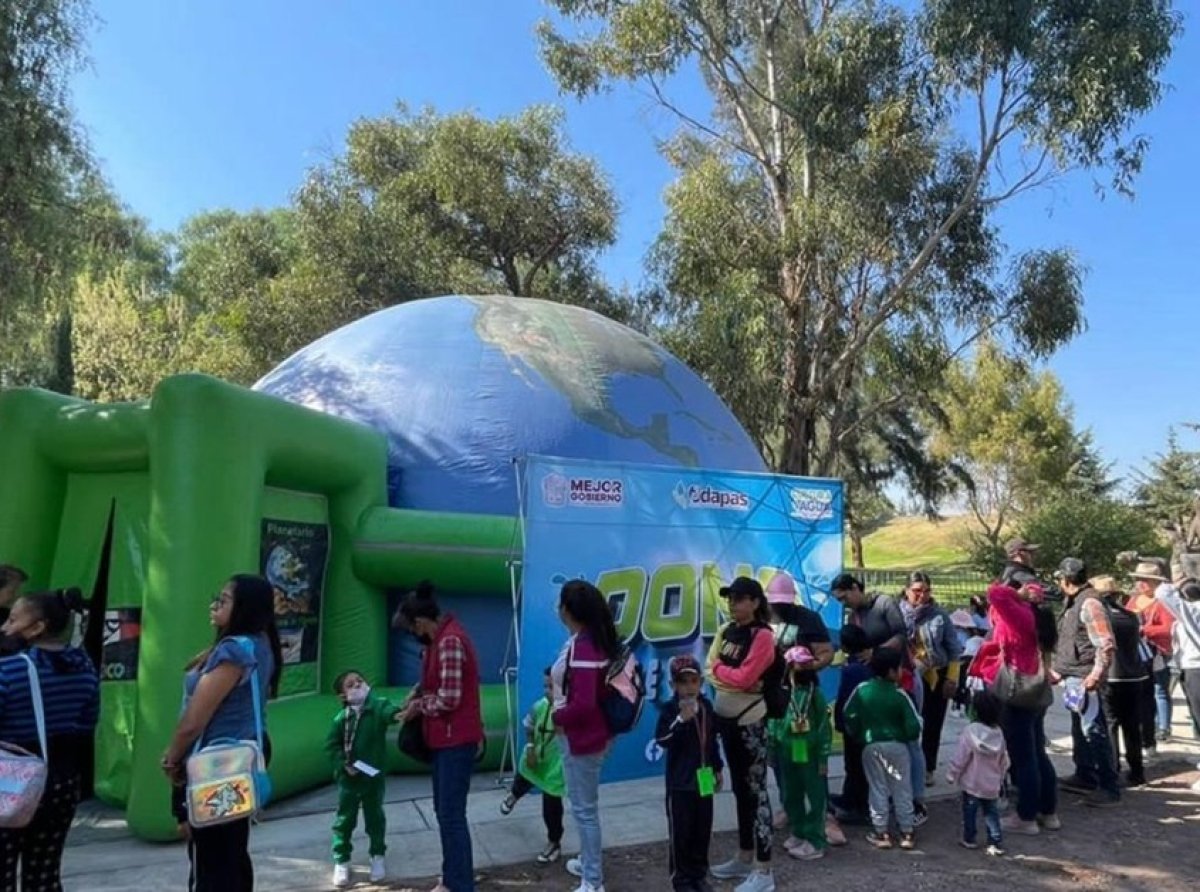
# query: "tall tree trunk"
[798,422]
[856,545]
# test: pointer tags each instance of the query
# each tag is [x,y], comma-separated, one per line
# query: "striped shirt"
[450,658]
[70,696]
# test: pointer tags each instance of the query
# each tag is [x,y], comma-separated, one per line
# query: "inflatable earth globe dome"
[461,386]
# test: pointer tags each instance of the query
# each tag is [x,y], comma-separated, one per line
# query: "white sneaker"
[588,887]
[806,851]
[378,868]
[733,869]
[341,876]
[758,881]
[1196,787]
[574,867]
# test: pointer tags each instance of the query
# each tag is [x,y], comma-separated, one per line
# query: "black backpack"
[776,689]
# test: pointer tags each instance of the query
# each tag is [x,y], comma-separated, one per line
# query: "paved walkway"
[291,847]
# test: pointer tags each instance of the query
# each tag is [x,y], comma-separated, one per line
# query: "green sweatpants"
[353,793]
[804,794]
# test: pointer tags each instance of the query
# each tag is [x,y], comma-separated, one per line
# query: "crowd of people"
[905,661]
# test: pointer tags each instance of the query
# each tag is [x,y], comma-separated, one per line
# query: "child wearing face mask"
[357,746]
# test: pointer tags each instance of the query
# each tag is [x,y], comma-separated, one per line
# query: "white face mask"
[356,696]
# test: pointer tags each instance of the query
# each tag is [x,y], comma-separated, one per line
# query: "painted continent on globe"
[462,386]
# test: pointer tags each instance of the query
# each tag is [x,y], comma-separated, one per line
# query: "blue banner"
[660,542]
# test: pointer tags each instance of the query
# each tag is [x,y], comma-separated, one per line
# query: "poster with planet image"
[294,555]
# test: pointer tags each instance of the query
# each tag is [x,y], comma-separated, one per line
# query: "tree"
[42,158]
[1009,429]
[1168,491]
[828,216]
[1093,528]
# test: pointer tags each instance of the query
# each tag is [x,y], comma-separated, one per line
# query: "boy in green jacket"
[880,715]
[357,746]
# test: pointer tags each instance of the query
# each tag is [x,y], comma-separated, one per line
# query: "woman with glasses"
[936,649]
[219,704]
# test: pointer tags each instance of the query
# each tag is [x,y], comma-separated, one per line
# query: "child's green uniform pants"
[804,794]
[354,793]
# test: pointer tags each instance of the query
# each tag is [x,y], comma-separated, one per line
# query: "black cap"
[743,587]
[1073,570]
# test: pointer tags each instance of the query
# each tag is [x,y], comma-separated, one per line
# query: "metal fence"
[952,588]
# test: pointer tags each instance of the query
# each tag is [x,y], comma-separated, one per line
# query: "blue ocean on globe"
[461,386]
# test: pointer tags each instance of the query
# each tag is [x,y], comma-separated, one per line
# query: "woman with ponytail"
[71,703]
[219,705]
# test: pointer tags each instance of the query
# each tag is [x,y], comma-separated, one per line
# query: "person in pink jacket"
[577,682]
[978,768]
[1021,640]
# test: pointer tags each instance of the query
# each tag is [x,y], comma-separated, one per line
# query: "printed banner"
[122,636]
[660,542]
[294,555]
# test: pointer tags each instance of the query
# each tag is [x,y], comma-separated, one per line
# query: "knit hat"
[781,589]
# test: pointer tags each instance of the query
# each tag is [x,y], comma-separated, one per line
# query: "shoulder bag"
[23,774]
[227,780]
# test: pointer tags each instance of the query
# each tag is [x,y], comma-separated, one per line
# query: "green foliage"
[1168,491]
[1094,529]
[829,246]
[1011,431]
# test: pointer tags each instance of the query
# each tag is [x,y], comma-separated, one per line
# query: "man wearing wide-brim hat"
[1158,623]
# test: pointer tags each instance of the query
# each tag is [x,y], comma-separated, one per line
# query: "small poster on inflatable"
[294,555]
[122,635]
[660,542]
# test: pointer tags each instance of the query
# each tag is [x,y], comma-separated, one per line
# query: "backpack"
[624,692]
[776,690]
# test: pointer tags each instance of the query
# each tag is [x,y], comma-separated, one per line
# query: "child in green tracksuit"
[883,717]
[357,746]
[803,739]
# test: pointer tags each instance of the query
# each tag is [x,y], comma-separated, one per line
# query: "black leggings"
[746,752]
[552,808]
[38,848]
[933,715]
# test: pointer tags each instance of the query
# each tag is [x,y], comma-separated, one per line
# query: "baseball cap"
[799,655]
[743,587]
[1016,545]
[684,664]
[1071,568]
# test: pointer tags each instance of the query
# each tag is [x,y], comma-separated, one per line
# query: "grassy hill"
[914,543]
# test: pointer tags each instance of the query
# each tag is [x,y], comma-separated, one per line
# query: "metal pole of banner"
[508,672]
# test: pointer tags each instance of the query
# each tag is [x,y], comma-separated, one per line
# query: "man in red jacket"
[447,699]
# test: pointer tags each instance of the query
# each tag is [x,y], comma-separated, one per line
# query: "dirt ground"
[1151,842]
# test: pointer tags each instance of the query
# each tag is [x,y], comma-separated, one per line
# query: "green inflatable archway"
[160,502]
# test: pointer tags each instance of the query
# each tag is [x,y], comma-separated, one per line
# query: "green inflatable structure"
[149,507]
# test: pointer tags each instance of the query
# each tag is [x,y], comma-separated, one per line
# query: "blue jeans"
[451,783]
[991,818]
[1033,772]
[583,791]
[1093,753]
[1162,699]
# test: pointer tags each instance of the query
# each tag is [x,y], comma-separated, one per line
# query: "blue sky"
[226,103]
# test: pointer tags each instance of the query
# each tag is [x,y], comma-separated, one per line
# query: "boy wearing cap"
[687,732]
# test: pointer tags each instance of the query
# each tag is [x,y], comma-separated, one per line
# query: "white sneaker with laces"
[575,867]
[341,876]
[378,868]
[757,881]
